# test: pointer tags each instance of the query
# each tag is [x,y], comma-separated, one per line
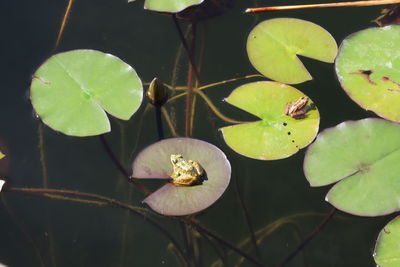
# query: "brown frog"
[185,172]
[297,109]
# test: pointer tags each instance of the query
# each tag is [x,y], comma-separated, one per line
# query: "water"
[72,234]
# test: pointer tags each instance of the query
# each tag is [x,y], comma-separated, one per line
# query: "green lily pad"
[273,46]
[368,68]
[363,157]
[276,135]
[170,6]
[387,248]
[72,91]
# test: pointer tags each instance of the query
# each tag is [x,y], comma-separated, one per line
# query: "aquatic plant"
[368,68]
[273,47]
[364,167]
[72,91]
[277,134]
[387,246]
[154,163]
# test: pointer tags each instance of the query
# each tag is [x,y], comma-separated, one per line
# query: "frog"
[297,109]
[185,172]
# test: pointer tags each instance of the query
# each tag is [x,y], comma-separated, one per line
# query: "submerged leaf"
[368,68]
[387,248]
[362,156]
[273,46]
[276,135]
[154,162]
[72,91]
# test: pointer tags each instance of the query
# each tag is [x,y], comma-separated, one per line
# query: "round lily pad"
[170,6]
[276,135]
[368,68]
[273,46]
[155,162]
[387,248]
[72,91]
[363,157]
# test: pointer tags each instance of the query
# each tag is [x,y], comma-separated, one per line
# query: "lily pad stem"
[185,46]
[45,182]
[120,167]
[93,199]
[247,218]
[215,109]
[160,130]
[170,124]
[22,227]
[98,200]
[310,237]
[205,231]
[63,23]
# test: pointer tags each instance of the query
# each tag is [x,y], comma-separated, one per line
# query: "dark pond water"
[37,231]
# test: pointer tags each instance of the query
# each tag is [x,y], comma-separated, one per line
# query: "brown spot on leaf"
[386,231]
[387,79]
[40,79]
[366,74]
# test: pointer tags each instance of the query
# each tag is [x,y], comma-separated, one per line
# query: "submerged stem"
[185,45]
[24,230]
[310,237]
[63,23]
[247,219]
[120,167]
[160,130]
[45,182]
[215,109]
[205,231]
[170,124]
[99,201]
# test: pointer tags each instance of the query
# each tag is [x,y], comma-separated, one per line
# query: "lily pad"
[368,68]
[387,248]
[170,6]
[362,156]
[72,91]
[273,46]
[154,163]
[275,135]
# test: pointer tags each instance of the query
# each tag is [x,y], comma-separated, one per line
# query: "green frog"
[186,172]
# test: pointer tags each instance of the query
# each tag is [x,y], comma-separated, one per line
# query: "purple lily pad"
[154,163]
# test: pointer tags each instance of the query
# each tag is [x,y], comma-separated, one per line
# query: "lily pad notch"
[273,46]
[154,162]
[72,91]
[361,158]
[276,135]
